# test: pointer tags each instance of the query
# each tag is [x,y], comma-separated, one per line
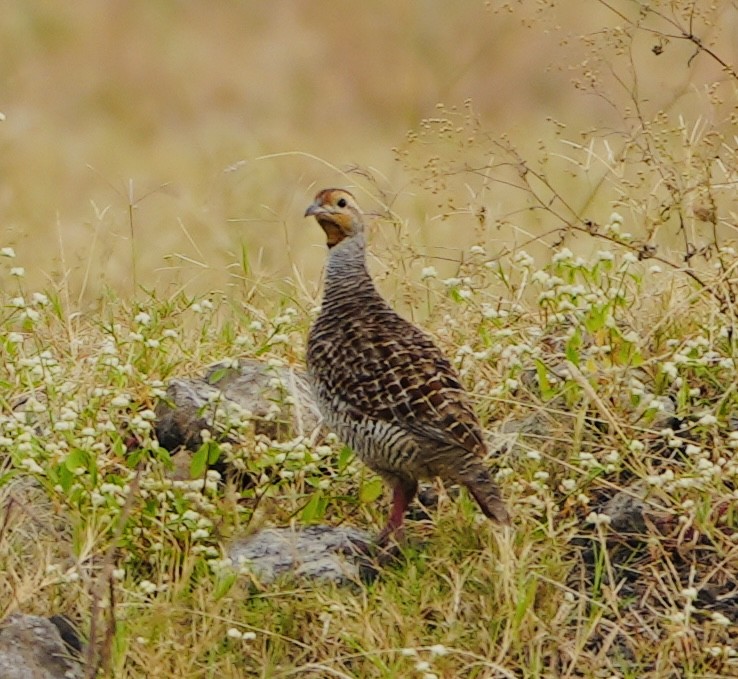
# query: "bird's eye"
[342,202]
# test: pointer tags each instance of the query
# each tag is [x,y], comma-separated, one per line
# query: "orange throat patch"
[333,233]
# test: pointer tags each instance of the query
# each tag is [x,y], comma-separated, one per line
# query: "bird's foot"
[373,556]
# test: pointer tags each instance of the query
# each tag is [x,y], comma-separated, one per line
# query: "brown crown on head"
[337,213]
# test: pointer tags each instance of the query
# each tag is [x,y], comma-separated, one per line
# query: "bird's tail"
[478,480]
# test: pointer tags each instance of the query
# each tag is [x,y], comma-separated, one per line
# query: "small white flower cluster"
[598,519]
[425,666]
[295,458]
[39,369]
[109,493]
[236,634]
[697,352]
[203,306]
[428,272]
[613,227]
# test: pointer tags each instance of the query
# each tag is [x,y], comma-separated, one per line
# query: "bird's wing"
[388,369]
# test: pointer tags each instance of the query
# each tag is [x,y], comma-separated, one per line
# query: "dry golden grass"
[217,121]
[156,161]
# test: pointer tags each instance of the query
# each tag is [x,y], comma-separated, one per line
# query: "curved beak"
[314,209]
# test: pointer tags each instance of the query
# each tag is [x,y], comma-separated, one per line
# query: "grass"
[562,594]
[582,280]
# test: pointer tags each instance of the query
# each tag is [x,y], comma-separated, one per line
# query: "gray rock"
[627,510]
[276,400]
[32,648]
[319,552]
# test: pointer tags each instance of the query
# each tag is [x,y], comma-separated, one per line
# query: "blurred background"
[163,143]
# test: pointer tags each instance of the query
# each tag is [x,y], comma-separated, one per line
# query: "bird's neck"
[346,275]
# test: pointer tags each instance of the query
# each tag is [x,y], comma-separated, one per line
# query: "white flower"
[668,368]
[524,259]
[428,272]
[233,633]
[32,466]
[438,649]
[142,318]
[18,271]
[598,519]
[720,619]
[707,419]
[689,593]
[563,255]
[7,252]
[248,636]
[616,218]
[147,587]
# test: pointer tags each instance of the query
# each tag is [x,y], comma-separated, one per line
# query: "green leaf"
[217,375]
[344,458]
[199,463]
[314,510]
[207,454]
[371,491]
[213,452]
[77,459]
[223,585]
[133,460]
[573,346]
[163,455]
[119,447]
[66,478]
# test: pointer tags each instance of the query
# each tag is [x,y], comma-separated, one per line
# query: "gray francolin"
[382,385]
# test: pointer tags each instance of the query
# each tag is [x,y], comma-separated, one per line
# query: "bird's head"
[338,215]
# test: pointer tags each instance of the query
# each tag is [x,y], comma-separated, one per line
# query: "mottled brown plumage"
[381,383]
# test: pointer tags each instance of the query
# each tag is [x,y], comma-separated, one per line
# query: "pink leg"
[403,492]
